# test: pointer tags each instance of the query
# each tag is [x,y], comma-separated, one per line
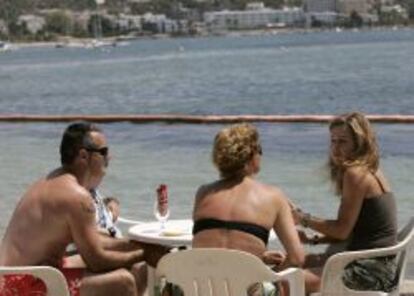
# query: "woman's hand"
[311,240]
[275,258]
[304,238]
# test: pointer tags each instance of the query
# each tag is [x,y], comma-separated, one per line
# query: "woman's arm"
[284,227]
[354,191]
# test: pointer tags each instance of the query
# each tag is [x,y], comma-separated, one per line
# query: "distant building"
[179,11]
[395,10]
[33,23]
[360,6]
[255,6]
[343,7]
[3,27]
[327,18]
[139,1]
[321,5]
[129,22]
[164,25]
[253,19]
[329,12]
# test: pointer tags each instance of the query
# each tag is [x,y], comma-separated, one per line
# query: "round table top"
[175,232]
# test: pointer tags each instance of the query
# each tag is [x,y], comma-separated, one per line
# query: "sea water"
[313,73]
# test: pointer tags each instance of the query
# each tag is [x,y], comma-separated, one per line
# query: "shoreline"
[68,41]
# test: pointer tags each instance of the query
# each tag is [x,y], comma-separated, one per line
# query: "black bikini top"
[250,228]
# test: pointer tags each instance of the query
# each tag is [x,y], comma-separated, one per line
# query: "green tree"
[410,6]
[296,3]
[79,31]
[98,25]
[11,9]
[274,3]
[59,22]
[355,19]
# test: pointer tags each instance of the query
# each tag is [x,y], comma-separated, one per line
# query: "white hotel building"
[259,17]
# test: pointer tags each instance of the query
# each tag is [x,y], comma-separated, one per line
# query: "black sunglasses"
[102,151]
[259,149]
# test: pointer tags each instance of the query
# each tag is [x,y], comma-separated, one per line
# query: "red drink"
[162,201]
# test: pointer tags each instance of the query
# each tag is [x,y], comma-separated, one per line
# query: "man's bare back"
[45,206]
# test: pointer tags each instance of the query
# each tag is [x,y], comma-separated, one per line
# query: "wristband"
[305,219]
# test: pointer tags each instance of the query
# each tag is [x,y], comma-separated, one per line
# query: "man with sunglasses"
[58,210]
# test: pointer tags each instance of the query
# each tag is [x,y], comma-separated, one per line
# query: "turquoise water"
[318,73]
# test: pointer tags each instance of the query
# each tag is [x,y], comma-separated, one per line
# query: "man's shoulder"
[65,187]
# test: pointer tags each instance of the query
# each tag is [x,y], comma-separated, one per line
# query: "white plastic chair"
[332,284]
[222,272]
[54,280]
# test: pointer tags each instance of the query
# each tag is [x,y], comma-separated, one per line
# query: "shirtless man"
[58,210]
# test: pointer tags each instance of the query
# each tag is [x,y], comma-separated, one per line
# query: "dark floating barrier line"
[196,119]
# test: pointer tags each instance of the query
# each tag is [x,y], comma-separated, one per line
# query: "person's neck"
[76,172]
[235,179]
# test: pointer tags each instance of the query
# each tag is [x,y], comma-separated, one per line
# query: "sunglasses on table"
[102,151]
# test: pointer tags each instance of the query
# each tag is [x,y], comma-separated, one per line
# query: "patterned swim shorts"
[27,285]
[375,274]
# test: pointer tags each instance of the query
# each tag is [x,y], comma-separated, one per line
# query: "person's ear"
[83,154]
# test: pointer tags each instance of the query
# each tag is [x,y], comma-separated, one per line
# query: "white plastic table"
[175,233]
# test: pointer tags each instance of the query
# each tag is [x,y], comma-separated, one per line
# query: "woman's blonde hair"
[366,152]
[234,147]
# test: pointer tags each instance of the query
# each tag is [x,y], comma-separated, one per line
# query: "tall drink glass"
[161,209]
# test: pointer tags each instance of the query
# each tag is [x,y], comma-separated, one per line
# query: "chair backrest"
[332,274]
[54,280]
[406,230]
[405,237]
[221,272]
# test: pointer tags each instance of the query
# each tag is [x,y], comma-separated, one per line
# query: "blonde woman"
[367,213]
[237,211]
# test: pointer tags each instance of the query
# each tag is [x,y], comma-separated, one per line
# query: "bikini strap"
[379,183]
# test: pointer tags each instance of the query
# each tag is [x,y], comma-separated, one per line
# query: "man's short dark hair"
[75,137]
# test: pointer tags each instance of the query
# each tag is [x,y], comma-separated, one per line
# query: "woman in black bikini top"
[237,211]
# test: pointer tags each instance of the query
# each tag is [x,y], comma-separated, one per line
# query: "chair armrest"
[296,279]
[344,258]
[335,266]
[354,293]
[52,277]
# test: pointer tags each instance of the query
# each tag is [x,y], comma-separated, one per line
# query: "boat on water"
[5,46]
[96,43]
